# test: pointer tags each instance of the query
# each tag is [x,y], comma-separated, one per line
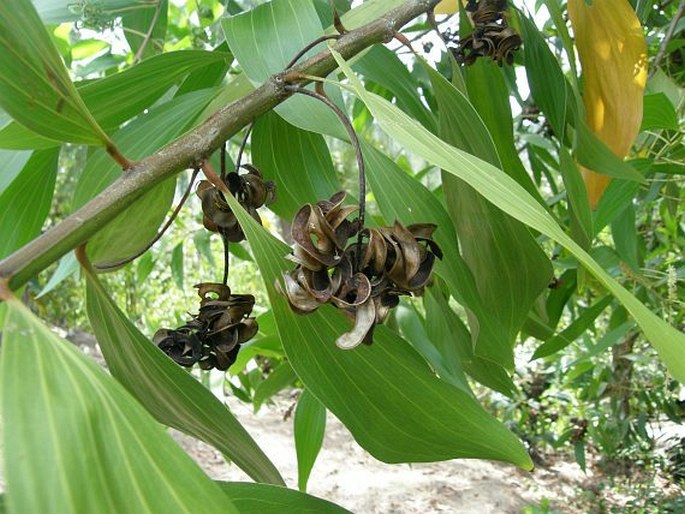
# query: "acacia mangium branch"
[194,147]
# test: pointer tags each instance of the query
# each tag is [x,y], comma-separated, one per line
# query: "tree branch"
[194,147]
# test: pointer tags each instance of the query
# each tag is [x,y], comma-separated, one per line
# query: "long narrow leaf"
[510,268]
[265,39]
[137,225]
[401,197]
[268,499]
[613,54]
[26,201]
[296,160]
[394,405]
[506,194]
[35,88]
[170,394]
[309,428]
[75,441]
[574,330]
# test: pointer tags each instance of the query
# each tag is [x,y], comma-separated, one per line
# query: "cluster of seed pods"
[491,37]
[365,277]
[212,338]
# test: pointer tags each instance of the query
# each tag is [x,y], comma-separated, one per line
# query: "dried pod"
[251,191]
[212,338]
[363,281]
[491,36]
[182,345]
[321,231]
[508,43]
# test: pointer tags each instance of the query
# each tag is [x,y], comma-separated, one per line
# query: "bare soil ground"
[347,475]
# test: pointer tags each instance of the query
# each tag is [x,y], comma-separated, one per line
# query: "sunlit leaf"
[35,88]
[385,394]
[613,54]
[554,96]
[75,441]
[266,499]
[309,428]
[26,201]
[506,194]
[446,7]
[265,39]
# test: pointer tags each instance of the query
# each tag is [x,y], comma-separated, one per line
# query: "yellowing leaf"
[446,7]
[613,54]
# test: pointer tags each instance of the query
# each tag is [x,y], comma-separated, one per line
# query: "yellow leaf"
[613,53]
[446,7]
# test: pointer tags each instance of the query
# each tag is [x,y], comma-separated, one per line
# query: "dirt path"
[347,475]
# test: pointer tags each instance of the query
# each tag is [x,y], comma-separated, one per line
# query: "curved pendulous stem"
[243,144]
[184,198]
[220,184]
[222,156]
[227,259]
[354,140]
[311,45]
[195,146]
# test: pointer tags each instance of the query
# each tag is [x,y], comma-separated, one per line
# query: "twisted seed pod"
[491,36]
[321,231]
[363,281]
[251,191]
[212,338]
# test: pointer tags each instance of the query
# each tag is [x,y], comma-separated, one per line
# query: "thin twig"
[159,235]
[243,144]
[311,45]
[141,50]
[226,259]
[337,22]
[354,140]
[436,27]
[5,291]
[118,157]
[222,158]
[668,37]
